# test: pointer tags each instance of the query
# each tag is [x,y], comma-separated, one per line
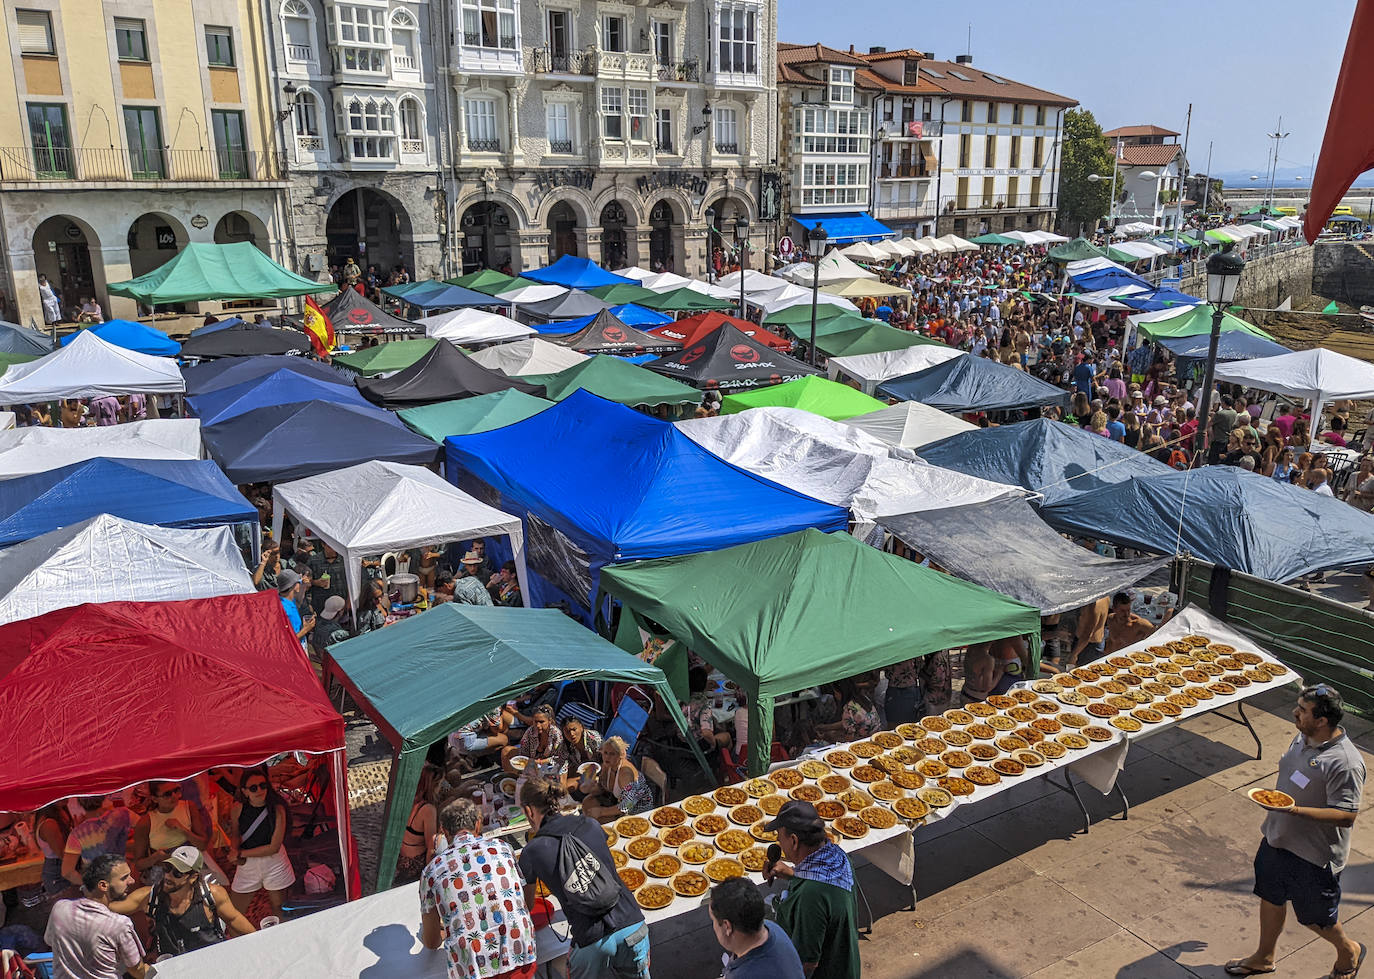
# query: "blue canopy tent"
[1107,278]
[974,384]
[204,378]
[1226,516]
[296,440]
[282,387]
[1235,345]
[442,295]
[216,326]
[16,339]
[188,493]
[846,226]
[597,482]
[137,337]
[638,358]
[576,273]
[1157,299]
[628,314]
[1047,457]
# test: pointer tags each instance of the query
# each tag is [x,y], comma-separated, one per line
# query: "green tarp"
[8,360]
[829,399]
[1075,251]
[488,281]
[1123,258]
[623,292]
[788,613]
[422,679]
[844,323]
[619,381]
[471,415]
[394,356]
[872,339]
[802,314]
[203,271]
[995,239]
[1196,322]
[684,300]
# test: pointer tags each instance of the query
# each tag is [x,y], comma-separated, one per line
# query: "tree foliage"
[1086,151]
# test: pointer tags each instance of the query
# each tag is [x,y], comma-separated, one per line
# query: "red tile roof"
[1150,155]
[976,84]
[1123,132]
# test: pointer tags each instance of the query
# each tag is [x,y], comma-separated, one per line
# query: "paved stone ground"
[1013,888]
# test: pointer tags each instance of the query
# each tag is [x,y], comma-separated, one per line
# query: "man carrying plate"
[1307,842]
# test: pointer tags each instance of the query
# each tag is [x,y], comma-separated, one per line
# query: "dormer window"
[842,85]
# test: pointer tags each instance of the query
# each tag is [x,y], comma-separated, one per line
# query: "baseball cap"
[796,817]
[184,859]
[287,580]
[1161,400]
[332,607]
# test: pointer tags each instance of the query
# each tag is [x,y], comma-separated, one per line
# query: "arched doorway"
[562,225]
[62,252]
[486,236]
[154,239]
[661,251]
[365,226]
[614,221]
[242,226]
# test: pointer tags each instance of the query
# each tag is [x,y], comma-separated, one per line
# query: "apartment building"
[1150,170]
[132,128]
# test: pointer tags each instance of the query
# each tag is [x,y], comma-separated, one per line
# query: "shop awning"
[844,226]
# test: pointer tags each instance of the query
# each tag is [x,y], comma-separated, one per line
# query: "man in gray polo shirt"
[1305,847]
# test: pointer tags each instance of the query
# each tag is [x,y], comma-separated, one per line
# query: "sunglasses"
[173,872]
[255,787]
[166,795]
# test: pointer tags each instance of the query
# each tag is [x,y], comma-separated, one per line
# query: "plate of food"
[1050,749]
[1271,799]
[842,759]
[887,740]
[1101,710]
[980,709]
[507,787]
[957,759]
[809,793]
[654,897]
[983,732]
[811,768]
[1047,725]
[830,809]
[935,798]
[905,755]
[851,827]
[956,785]
[632,877]
[983,752]
[980,775]
[698,805]
[1147,714]
[885,790]
[931,746]
[888,764]
[643,847]
[958,716]
[1001,701]
[1022,714]
[696,852]
[676,835]
[665,816]
[1094,732]
[1024,696]
[754,858]
[1072,739]
[878,817]
[959,739]
[786,778]
[589,768]
[865,749]
[611,835]
[1073,720]
[519,762]
[758,832]
[734,841]
[663,865]
[730,795]
[855,799]
[1045,685]
[911,732]
[772,804]
[867,773]
[620,858]
[723,868]
[911,809]
[1011,742]
[759,787]
[1073,698]
[746,815]
[932,768]
[689,883]
[834,783]
[710,824]
[1008,766]
[632,826]
[1126,723]
[1000,723]
[907,780]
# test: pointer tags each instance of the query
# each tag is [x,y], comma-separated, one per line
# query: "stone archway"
[616,218]
[486,228]
[562,225]
[370,227]
[154,239]
[66,251]
[242,226]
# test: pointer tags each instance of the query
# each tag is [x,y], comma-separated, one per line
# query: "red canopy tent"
[101,697]
[690,330]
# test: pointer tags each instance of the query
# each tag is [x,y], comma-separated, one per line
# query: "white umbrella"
[862,251]
[938,245]
[960,245]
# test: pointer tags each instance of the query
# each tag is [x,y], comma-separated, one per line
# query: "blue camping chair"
[630,717]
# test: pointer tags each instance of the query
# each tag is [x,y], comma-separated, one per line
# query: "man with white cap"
[186,910]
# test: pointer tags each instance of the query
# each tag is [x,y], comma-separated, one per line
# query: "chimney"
[877,49]
[963,59]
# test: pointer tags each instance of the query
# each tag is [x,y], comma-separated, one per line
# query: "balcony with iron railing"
[484,145]
[679,71]
[476,39]
[625,64]
[545,62]
[563,146]
[727,149]
[22,164]
[903,171]
[999,202]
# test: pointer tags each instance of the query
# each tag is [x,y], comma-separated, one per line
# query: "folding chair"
[630,717]
[584,709]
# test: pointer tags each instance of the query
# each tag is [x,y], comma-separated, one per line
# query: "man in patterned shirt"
[472,901]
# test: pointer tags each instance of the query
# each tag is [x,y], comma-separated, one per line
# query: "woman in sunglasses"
[171,821]
[187,911]
[257,830]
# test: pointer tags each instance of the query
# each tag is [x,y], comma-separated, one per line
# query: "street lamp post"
[742,245]
[815,245]
[1223,275]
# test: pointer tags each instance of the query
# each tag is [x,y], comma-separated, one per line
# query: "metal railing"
[484,145]
[663,146]
[729,149]
[44,164]
[679,71]
[1000,202]
[905,170]
[542,61]
[474,39]
[561,146]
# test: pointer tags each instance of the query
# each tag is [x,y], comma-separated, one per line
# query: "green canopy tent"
[791,612]
[684,300]
[470,415]
[996,239]
[422,679]
[488,281]
[1123,258]
[802,314]
[623,292]
[1196,321]
[844,323]
[617,380]
[1075,251]
[871,339]
[202,270]
[9,360]
[829,399]
[394,356]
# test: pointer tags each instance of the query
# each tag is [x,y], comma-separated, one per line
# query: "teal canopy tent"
[203,270]
[422,679]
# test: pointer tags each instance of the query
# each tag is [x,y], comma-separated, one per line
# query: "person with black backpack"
[187,911]
[569,855]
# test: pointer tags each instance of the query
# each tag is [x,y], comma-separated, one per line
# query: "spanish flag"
[1348,148]
[319,329]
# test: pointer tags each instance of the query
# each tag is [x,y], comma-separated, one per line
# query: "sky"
[1253,61]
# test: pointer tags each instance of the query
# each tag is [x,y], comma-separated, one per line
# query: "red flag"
[318,328]
[1348,146]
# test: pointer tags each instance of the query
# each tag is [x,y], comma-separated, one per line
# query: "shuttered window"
[35,31]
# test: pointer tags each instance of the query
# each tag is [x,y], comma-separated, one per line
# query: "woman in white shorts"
[258,827]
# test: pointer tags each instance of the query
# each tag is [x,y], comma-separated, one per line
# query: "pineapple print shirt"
[476,888]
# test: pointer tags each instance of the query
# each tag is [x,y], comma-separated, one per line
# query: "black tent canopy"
[353,313]
[607,334]
[246,340]
[445,373]
[728,359]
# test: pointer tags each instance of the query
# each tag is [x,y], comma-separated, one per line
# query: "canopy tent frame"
[484,625]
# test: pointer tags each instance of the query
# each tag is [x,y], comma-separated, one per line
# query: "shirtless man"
[1124,627]
[1088,637]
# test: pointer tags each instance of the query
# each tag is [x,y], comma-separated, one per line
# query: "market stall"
[597,482]
[691,330]
[520,358]
[443,373]
[89,367]
[107,559]
[202,270]
[1318,375]
[138,337]
[615,379]
[37,449]
[575,272]
[814,394]
[606,334]
[871,369]
[281,387]
[352,312]
[790,612]
[910,424]
[974,384]
[422,679]
[473,326]
[375,507]
[247,340]
[385,358]
[726,359]
[204,378]
[468,415]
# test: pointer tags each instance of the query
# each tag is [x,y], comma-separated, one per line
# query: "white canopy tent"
[893,248]
[532,356]
[473,326]
[377,507]
[712,290]
[1319,375]
[862,251]
[837,463]
[1022,236]
[960,245]
[536,293]
[106,559]
[36,450]
[634,272]
[1103,298]
[1140,249]
[797,296]
[88,367]
[1044,238]
[665,281]
[1138,228]
[916,247]
[755,283]
[870,370]
[910,424]
[834,267]
[938,245]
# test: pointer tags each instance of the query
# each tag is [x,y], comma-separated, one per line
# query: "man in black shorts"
[1305,847]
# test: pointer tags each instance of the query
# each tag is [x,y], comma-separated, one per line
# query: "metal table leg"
[1072,789]
[1244,722]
